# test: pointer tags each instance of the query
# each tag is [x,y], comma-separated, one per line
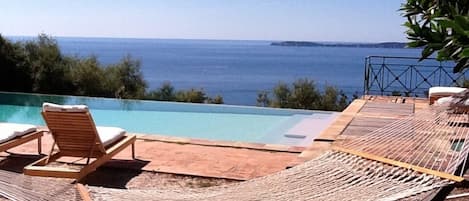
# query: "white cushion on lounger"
[51,107]
[446,101]
[109,135]
[9,131]
[444,91]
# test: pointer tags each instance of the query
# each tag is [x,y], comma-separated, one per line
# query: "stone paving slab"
[325,139]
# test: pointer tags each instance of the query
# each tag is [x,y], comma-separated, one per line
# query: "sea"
[235,69]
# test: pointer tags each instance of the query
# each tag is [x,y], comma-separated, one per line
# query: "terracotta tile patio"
[190,159]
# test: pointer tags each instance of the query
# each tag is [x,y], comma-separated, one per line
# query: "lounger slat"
[87,133]
[74,138]
[73,153]
[57,117]
[74,141]
[48,171]
[71,123]
[68,114]
[66,120]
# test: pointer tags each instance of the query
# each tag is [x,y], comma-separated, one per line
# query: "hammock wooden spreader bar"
[400,164]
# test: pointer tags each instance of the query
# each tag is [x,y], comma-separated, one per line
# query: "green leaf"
[458,68]
[464,53]
[456,52]
[426,52]
[453,25]
[418,43]
[442,55]
[461,65]
[435,46]
[462,21]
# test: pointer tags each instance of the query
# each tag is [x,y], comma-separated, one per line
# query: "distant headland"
[360,45]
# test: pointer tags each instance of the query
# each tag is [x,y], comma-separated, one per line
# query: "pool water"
[202,121]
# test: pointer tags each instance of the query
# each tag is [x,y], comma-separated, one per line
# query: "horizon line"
[206,39]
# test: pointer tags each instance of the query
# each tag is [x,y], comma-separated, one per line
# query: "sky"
[306,20]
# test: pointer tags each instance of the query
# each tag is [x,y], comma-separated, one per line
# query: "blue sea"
[236,70]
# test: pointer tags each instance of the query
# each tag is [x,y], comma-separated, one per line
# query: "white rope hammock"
[434,139]
[19,187]
[407,157]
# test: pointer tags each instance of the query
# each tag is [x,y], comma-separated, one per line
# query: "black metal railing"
[407,76]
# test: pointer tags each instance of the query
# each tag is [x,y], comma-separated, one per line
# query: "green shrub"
[39,66]
[89,77]
[263,99]
[303,94]
[192,96]
[282,94]
[126,79]
[49,71]
[167,93]
[15,74]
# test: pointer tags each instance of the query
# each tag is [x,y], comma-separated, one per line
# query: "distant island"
[360,45]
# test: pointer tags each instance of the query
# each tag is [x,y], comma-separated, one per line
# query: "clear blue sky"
[312,20]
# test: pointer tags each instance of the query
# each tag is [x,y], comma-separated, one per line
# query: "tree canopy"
[303,94]
[39,66]
[439,26]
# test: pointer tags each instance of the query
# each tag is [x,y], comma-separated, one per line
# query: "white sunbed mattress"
[9,131]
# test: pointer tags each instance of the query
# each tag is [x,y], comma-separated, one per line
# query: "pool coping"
[221,143]
[178,103]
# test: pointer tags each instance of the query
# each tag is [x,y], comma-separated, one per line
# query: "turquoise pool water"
[203,121]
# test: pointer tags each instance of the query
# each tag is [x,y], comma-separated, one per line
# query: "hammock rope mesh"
[434,139]
[333,176]
[19,187]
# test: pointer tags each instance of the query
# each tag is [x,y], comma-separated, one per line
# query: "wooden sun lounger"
[75,135]
[22,140]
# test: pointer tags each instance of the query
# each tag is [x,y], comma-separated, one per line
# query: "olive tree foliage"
[440,26]
[15,75]
[333,99]
[165,93]
[39,66]
[50,73]
[88,77]
[282,95]
[218,99]
[263,99]
[168,93]
[127,79]
[303,94]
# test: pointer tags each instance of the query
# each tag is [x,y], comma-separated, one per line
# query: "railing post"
[383,75]
[367,77]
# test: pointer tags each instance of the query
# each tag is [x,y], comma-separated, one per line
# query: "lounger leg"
[39,145]
[50,153]
[133,150]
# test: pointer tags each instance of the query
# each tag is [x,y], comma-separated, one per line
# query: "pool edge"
[221,143]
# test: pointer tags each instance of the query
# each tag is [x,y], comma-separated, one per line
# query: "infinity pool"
[202,121]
